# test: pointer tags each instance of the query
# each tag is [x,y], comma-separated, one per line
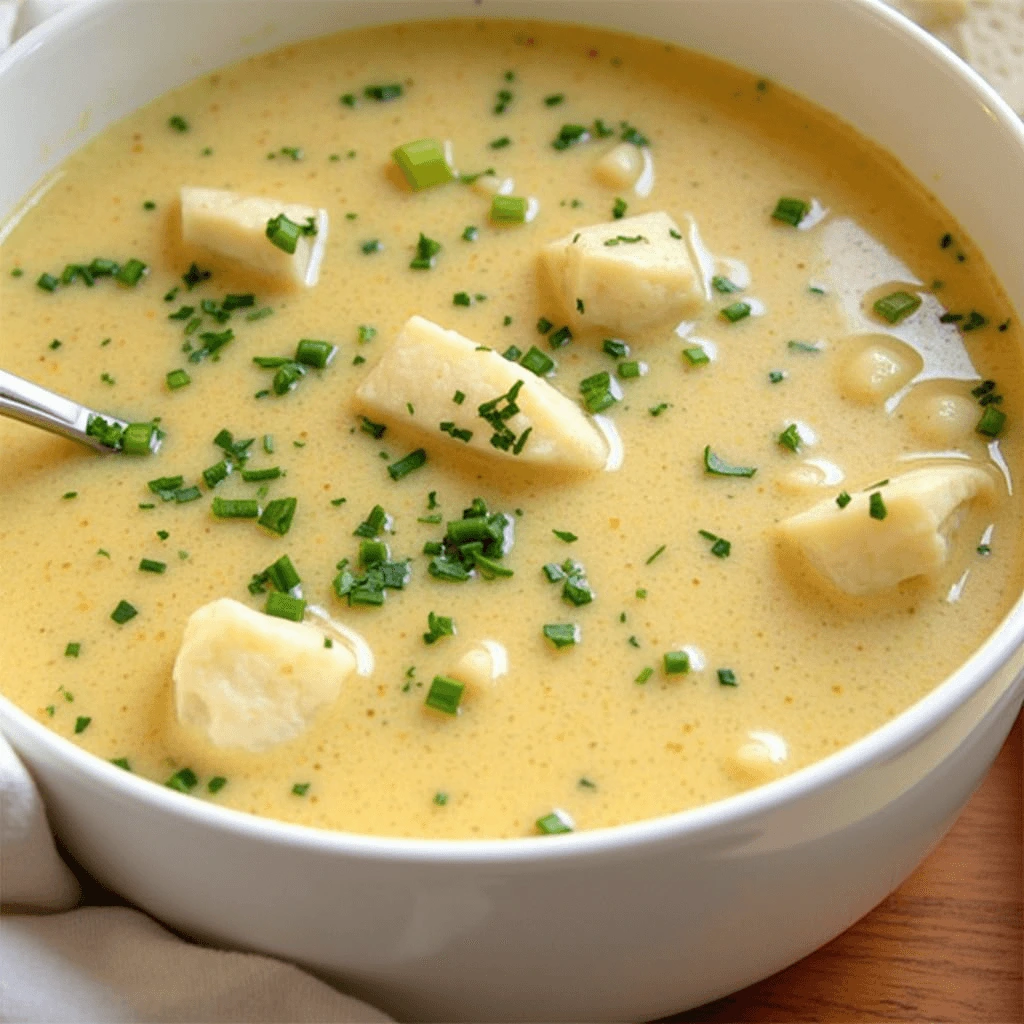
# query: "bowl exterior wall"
[628,933]
[630,929]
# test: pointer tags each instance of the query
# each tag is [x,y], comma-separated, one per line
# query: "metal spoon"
[22,400]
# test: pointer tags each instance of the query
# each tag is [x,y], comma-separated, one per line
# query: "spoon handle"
[22,400]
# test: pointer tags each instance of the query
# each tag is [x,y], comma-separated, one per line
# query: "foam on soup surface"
[730,488]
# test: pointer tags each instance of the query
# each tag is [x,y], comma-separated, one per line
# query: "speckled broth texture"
[815,669]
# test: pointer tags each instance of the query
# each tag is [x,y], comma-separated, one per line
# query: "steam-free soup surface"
[598,729]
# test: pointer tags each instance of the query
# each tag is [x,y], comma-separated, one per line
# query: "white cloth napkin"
[107,964]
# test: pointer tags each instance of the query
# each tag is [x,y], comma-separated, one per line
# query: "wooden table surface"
[946,946]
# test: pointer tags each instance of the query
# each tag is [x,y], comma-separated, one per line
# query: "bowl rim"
[885,743]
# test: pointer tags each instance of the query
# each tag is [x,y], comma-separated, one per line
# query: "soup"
[737,485]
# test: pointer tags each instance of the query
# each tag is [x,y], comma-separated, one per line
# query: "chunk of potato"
[941,419]
[876,369]
[235,226]
[426,365]
[625,275]
[482,665]
[620,166]
[862,555]
[252,681]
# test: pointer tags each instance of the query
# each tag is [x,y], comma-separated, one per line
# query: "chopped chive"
[974,321]
[375,430]
[440,798]
[723,285]
[438,626]
[178,123]
[318,354]
[458,433]
[619,208]
[216,473]
[555,823]
[843,499]
[726,677]
[81,723]
[55,344]
[445,695]
[426,254]
[47,282]
[68,495]
[140,439]
[790,438]
[645,673]
[235,508]
[122,763]
[776,376]
[615,348]
[992,421]
[470,233]
[186,494]
[897,306]
[184,780]
[149,565]
[877,509]
[716,467]
[720,547]
[72,650]
[285,606]
[383,93]
[790,211]
[216,784]
[599,392]
[656,554]
[374,524]
[405,465]
[554,100]
[565,535]
[737,311]
[696,356]
[124,612]
[632,368]
[631,134]
[423,163]
[676,662]
[178,379]
[165,486]
[562,634]
[500,143]
[509,209]
[462,299]
[284,233]
[537,362]
[255,475]
[570,135]
[277,516]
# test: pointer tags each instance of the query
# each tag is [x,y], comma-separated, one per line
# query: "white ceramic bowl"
[625,923]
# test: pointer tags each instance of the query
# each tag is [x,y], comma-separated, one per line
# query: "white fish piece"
[251,681]
[235,225]
[426,365]
[625,275]
[862,555]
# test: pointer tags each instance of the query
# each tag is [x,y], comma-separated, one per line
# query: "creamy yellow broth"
[815,669]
